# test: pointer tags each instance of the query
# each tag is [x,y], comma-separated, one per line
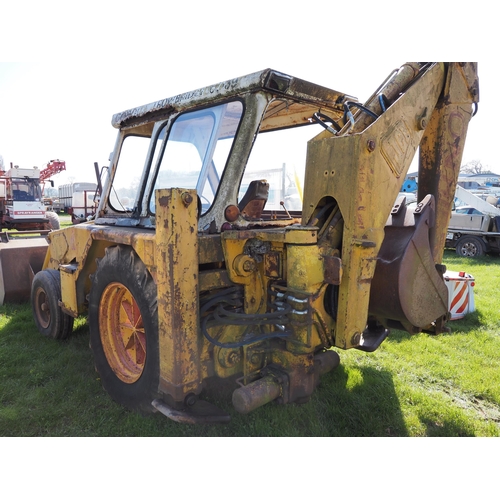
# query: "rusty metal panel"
[213,279]
[298,235]
[361,172]
[443,144]
[68,252]
[273,265]
[20,260]
[178,292]
[68,290]
[408,292]
[210,249]
[267,79]
[333,269]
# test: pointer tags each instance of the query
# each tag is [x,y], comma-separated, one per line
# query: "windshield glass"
[196,151]
[26,190]
[133,153]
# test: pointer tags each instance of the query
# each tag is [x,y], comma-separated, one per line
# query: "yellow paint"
[176,259]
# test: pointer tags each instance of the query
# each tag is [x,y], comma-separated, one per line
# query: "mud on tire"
[123,323]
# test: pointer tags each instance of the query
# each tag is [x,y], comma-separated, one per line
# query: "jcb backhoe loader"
[198,265]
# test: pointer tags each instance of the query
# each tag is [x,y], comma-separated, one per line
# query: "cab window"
[279,157]
[196,151]
[126,182]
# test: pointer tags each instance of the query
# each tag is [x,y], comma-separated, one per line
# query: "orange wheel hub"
[122,332]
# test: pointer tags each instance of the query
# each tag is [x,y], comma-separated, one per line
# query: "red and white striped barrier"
[460,293]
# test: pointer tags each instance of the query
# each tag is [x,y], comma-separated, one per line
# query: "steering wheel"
[204,200]
[203,204]
[321,118]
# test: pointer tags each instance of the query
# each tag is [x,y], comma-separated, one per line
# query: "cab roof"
[268,80]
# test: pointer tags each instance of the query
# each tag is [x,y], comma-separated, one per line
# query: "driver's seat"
[253,202]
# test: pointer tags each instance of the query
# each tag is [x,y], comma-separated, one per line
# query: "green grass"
[420,385]
[64,220]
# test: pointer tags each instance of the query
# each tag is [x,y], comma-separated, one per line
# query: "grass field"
[421,385]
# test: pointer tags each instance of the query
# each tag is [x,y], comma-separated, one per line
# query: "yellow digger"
[207,260]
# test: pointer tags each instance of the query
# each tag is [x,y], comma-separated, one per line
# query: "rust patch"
[333,270]
[272,264]
[163,201]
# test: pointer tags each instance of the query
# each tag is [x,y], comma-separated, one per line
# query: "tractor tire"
[49,318]
[469,246]
[54,222]
[123,324]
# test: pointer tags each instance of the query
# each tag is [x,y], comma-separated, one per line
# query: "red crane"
[53,167]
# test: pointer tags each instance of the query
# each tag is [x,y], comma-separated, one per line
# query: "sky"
[63,110]
[60,86]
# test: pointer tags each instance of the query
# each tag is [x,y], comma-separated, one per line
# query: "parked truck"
[474,227]
[186,282]
[21,201]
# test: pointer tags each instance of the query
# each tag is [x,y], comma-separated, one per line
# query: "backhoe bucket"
[20,260]
[408,291]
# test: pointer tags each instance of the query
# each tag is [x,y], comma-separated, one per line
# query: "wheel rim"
[42,308]
[122,333]
[469,250]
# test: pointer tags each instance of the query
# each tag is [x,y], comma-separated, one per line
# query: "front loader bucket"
[20,260]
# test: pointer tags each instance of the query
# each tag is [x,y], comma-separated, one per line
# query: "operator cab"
[24,190]
[23,184]
[241,144]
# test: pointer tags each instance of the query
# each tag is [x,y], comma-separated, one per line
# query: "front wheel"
[49,318]
[123,323]
[469,246]
[54,222]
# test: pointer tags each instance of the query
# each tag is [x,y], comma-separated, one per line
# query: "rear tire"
[123,323]
[469,246]
[49,318]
